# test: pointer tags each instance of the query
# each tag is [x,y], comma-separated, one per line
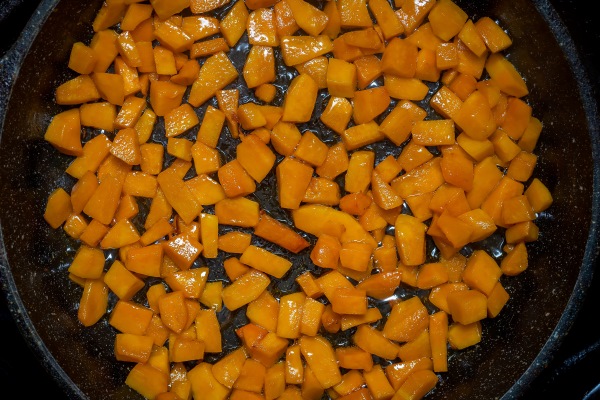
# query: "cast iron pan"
[515,347]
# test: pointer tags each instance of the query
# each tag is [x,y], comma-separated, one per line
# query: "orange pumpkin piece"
[234,242]
[290,315]
[356,256]
[192,281]
[245,289]
[497,300]
[517,209]
[300,99]
[140,184]
[234,268]
[433,132]
[504,74]
[228,368]
[88,263]
[505,189]
[348,321]
[378,383]
[216,73]
[255,157]
[179,195]
[121,281]
[398,373]
[103,203]
[165,96]
[260,27]
[462,336]
[293,178]
[204,383]
[373,341]
[100,115]
[130,317]
[539,195]
[417,385]
[477,149]
[183,250]
[389,22]
[259,67]
[269,349]
[145,260]
[431,275]
[297,49]
[335,163]
[275,231]
[275,385]
[322,191]
[349,301]
[78,90]
[147,380]
[467,306]
[173,311]
[235,180]
[93,303]
[312,313]
[239,211]
[515,261]
[492,34]
[381,285]
[251,376]
[294,368]
[164,61]
[200,7]
[351,385]
[521,166]
[206,159]
[308,17]
[337,114]
[172,37]
[397,326]
[264,311]
[82,58]
[184,348]
[208,330]
[105,48]
[58,208]
[180,120]
[326,252]
[446,102]
[417,348]
[410,239]
[354,14]
[482,225]
[309,285]
[265,261]
[64,132]
[316,68]
[457,167]
[233,24]
[311,149]
[321,359]
[369,103]
[475,117]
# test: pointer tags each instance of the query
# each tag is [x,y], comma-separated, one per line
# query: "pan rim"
[592,248]
[10,66]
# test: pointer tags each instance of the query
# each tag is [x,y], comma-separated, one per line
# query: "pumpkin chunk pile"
[394,138]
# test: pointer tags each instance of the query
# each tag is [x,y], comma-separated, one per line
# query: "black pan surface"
[517,345]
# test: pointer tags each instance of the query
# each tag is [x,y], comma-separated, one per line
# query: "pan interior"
[544,297]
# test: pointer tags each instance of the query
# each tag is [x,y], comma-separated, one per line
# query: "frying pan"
[516,345]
